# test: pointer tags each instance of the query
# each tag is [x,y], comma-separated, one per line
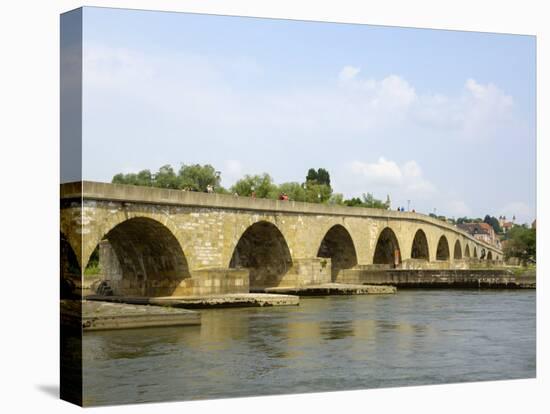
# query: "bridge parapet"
[151,195]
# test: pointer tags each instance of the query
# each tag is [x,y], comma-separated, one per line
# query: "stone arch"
[489,255]
[442,252]
[387,249]
[475,252]
[263,250]
[141,257]
[457,253]
[69,261]
[337,245]
[419,248]
[102,224]
[467,251]
[70,272]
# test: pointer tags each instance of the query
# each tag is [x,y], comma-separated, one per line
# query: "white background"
[29,230]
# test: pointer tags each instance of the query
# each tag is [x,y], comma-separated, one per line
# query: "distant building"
[481,231]
[506,226]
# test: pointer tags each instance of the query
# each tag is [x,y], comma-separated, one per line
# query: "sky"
[441,121]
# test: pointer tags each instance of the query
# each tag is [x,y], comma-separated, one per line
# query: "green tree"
[294,190]
[311,175]
[145,178]
[354,202]
[493,221]
[166,177]
[321,176]
[522,244]
[371,202]
[198,177]
[142,178]
[336,199]
[262,185]
[317,193]
[119,179]
[368,201]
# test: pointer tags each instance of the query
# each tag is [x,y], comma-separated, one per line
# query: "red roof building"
[481,231]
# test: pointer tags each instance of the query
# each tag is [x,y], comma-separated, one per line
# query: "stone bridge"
[160,242]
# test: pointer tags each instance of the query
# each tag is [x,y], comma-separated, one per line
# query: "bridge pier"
[204,281]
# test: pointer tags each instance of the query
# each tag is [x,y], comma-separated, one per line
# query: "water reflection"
[414,337]
[331,330]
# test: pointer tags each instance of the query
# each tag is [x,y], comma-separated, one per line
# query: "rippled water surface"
[325,344]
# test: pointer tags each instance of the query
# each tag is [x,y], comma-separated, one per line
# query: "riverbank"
[501,278]
[95,315]
[329,289]
[231,300]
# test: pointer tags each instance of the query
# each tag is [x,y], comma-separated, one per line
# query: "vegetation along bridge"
[159,242]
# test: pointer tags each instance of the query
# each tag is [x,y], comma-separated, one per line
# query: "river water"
[326,344]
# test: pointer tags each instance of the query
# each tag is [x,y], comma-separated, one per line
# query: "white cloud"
[481,111]
[391,94]
[198,90]
[396,89]
[347,73]
[406,179]
[189,104]
[383,172]
[487,109]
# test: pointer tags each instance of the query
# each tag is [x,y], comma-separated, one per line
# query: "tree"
[311,175]
[472,220]
[354,202]
[198,177]
[166,177]
[145,178]
[261,185]
[321,176]
[371,202]
[522,244]
[294,190]
[368,201]
[317,193]
[119,179]
[336,199]
[493,221]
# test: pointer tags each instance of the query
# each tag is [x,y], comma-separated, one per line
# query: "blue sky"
[445,119]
